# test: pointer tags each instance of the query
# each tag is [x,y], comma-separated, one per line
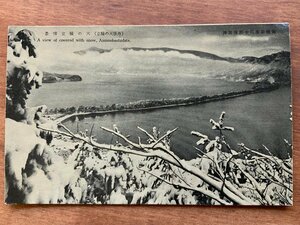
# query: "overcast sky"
[251,39]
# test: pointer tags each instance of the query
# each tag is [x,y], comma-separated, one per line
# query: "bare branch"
[164,136]
[123,137]
[149,135]
[270,158]
[146,147]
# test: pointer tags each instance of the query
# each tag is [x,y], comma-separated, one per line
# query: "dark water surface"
[128,88]
[258,119]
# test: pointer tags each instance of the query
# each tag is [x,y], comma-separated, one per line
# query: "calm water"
[123,89]
[256,124]
[258,119]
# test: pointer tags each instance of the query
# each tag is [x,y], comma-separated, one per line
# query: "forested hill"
[56,77]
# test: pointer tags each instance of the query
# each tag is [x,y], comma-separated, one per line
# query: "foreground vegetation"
[150,173]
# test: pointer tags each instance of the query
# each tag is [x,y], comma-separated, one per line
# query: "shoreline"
[185,102]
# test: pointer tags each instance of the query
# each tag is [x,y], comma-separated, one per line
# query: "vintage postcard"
[182,114]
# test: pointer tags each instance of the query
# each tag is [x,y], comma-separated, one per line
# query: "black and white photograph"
[160,115]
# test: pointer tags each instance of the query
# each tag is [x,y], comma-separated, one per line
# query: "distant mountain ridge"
[276,66]
[247,59]
[282,56]
[164,49]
